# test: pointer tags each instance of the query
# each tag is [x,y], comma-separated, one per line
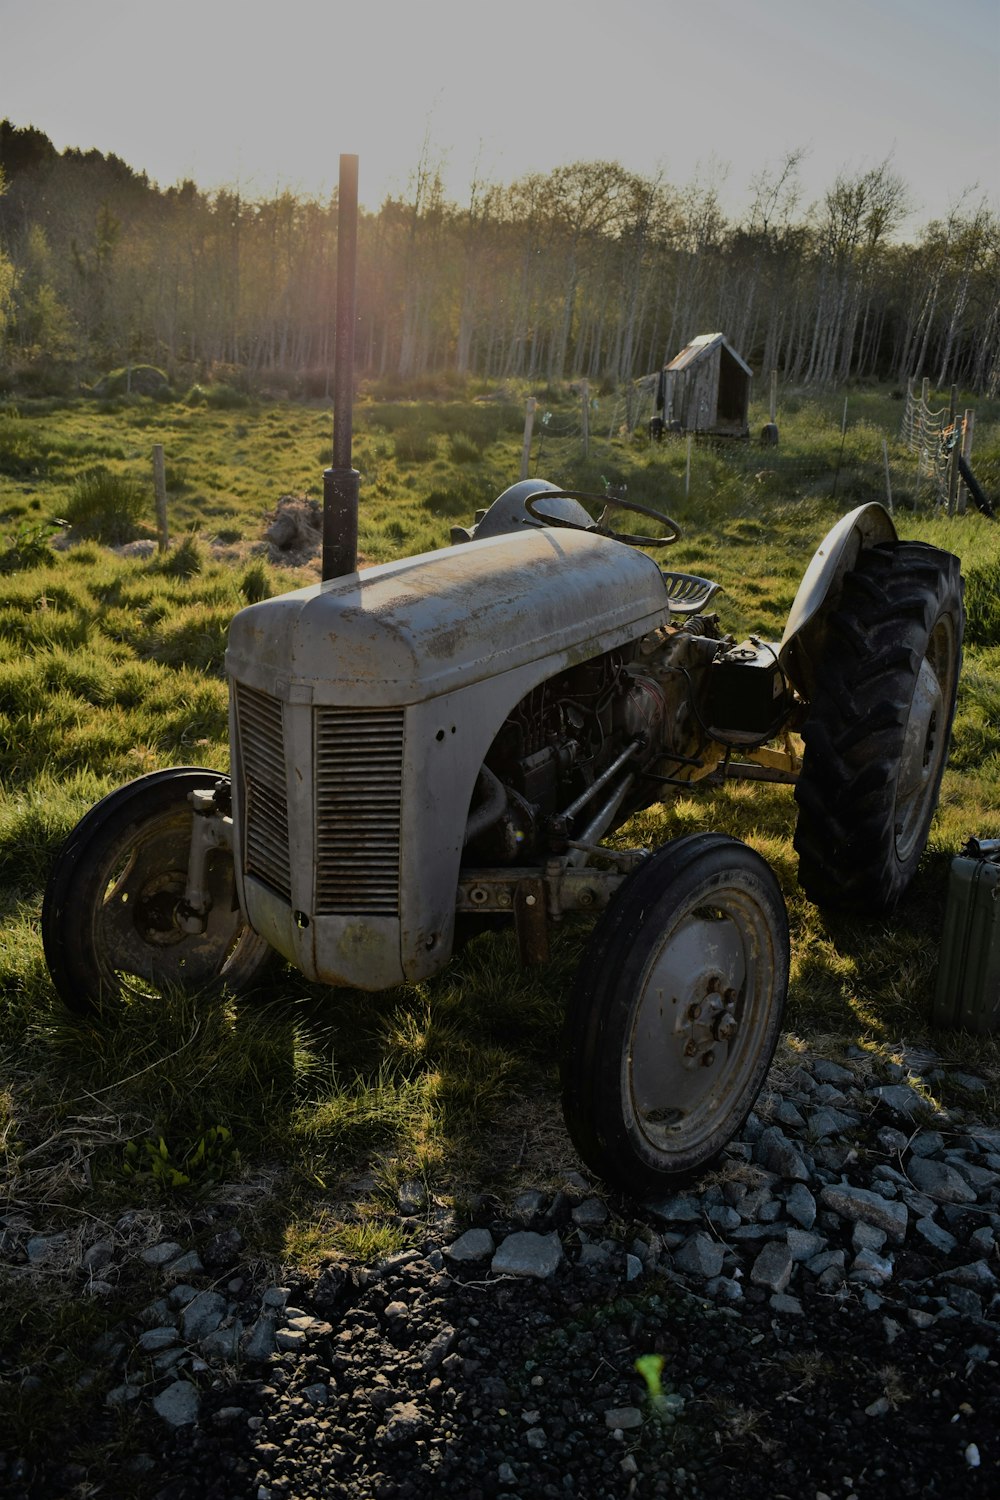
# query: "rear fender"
[800,652]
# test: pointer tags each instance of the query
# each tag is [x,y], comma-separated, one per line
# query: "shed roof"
[702,345]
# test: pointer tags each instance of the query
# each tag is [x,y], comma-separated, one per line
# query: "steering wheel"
[598,528]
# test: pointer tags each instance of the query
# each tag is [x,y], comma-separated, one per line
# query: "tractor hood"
[408,630]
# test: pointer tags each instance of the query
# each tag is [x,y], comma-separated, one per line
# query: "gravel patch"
[822,1313]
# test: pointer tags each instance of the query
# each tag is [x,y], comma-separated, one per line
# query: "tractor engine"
[569,732]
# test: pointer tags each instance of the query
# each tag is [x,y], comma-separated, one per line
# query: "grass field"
[111,666]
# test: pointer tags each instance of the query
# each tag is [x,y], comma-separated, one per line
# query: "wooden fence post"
[774,397]
[160,486]
[529,423]
[967,425]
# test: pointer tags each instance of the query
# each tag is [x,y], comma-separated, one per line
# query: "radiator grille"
[265,797]
[359,777]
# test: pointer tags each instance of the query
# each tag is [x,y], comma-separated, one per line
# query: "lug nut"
[708,1059]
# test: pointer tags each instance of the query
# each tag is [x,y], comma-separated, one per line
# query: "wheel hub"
[156,910]
[708,1020]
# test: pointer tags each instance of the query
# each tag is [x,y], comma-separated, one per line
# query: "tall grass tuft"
[106,506]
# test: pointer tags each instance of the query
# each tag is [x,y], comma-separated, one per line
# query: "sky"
[264,96]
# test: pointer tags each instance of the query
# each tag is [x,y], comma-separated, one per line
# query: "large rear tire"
[878,730]
[675,1013]
[110,924]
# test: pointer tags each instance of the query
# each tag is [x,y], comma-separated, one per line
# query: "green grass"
[111,666]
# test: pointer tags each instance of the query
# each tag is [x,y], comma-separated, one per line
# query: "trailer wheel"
[877,734]
[675,1013]
[109,917]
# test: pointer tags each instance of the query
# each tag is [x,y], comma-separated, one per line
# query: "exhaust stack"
[341,483]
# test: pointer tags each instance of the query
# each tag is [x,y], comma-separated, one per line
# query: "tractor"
[435,746]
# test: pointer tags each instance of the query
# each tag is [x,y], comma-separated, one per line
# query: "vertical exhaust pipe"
[341,483]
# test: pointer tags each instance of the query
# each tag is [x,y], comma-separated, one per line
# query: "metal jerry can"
[967,994]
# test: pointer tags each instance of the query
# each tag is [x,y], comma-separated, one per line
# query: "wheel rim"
[925,740]
[137,939]
[701,1023]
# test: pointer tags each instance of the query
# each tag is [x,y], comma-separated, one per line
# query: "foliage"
[211,1156]
[588,270]
[106,505]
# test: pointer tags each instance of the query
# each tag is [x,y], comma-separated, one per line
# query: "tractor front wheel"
[675,1013]
[878,729]
[112,914]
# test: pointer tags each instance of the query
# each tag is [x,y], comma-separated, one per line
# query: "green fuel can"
[967,993]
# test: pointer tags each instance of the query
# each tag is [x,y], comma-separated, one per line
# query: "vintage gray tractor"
[425,748]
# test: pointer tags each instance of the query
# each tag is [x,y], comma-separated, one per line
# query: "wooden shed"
[705,388]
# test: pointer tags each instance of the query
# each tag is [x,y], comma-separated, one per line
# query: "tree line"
[589,270]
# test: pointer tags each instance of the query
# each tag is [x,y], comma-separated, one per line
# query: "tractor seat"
[686,593]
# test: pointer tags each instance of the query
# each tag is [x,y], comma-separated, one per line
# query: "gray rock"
[825,1260]
[891,1140]
[831,1122]
[871,1268]
[223,1344]
[804,1244]
[181,1295]
[723,1217]
[801,1206]
[162,1254]
[291,1340]
[776,1153]
[940,1181]
[528,1254]
[590,1214]
[867,1236]
[700,1255]
[473,1245]
[98,1255]
[926,1142]
[178,1404]
[936,1237]
[783,1303]
[261,1341]
[970,1082]
[317,1394]
[678,1209]
[202,1316]
[825,1071]
[773,1267]
[527,1206]
[438,1349]
[412,1198]
[900,1098]
[42,1247]
[275,1297]
[188,1264]
[404,1422]
[155,1339]
[123,1395]
[788,1114]
[535,1438]
[860,1203]
[593,1255]
[724,1289]
[223,1249]
[980,1178]
[978,1276]
[633,1267]
[625,1418]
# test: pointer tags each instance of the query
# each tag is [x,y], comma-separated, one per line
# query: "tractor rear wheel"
[675,1013]
[110,917]
[877,734]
